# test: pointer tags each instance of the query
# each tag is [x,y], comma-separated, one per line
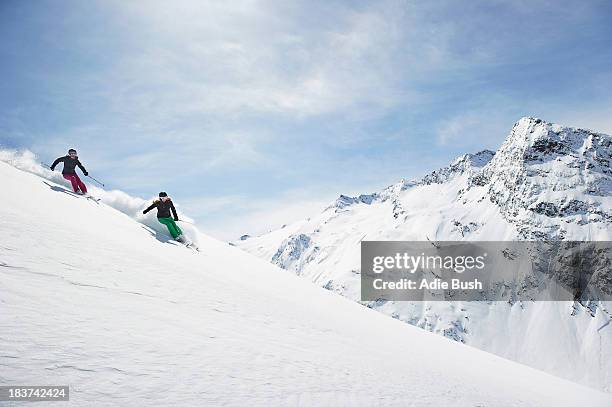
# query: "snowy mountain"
[93,298]
[545,182]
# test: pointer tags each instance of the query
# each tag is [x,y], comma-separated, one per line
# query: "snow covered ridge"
[546,182]
[467,163]
[125,319]
[533,152]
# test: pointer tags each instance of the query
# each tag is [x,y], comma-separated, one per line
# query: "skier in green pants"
[164,205]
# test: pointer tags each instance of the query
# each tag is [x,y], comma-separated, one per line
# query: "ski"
[192,246]
[187,245]
[92,198]
[86,196]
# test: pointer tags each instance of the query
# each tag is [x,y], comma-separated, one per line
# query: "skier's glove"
[85,173]
[144,212]
[176,219]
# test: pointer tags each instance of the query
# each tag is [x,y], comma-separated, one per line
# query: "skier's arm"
[153,205]
[173,211]
[57,161]
[82,168]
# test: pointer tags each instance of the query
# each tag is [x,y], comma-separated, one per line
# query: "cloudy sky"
[252,114]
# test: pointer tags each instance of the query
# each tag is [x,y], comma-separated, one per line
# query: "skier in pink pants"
[71,161]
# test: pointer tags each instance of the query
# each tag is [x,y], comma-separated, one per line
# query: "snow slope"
[545,182]
[93,299]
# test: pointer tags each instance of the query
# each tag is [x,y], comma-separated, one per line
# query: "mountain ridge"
[545,182]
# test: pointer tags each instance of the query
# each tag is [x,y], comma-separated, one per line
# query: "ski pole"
[95,180]
[184,221]
[45,165]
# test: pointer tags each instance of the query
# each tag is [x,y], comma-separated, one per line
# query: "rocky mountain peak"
[543,169]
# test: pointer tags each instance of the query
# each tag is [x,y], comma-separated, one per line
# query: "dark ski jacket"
[163,208]
[69,165]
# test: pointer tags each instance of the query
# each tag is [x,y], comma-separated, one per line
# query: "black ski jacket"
[163,209]
[69,165]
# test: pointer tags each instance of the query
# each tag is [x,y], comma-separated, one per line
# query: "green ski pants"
[173,228]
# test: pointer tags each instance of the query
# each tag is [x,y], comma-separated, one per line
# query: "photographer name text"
[425,284]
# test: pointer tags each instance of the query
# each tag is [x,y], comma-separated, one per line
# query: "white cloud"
[194,57]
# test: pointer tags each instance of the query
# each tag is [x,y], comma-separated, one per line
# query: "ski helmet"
[72,150]
[162,194]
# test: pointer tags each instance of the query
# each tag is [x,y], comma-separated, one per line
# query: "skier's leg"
[80,183]
[176,228]
[73,181]
[169,222]
[175,231]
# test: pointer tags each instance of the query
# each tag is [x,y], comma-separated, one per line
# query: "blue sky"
[257,113]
